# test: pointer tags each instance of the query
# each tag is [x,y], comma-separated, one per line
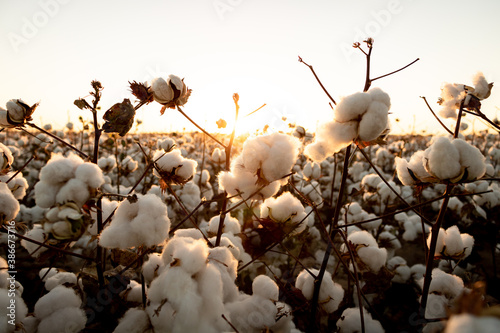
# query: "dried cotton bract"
[361,116]
[263,163]
[144,222]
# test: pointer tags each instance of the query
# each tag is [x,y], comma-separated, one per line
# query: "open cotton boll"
[60,169]
[400,269]
[166,144]
[45,194]
[74,190]
[152,267]
[59,279]
[453,241]
[90,174]
[9,206]
[17,185]
[443,159]
[265,287]
[106,163]
[471,159]
[108,207]
[482,88]
[161,315]
[374,121]
[285,209]
[133,293]
[272,156]
[362,238]
[352,106]
[402,171]
[252,314]
[443,283]
[451,96]
[219,156]
[373,257]
[6,158]
[129,165]
[231,224]
[135,320]
[331,137]
[330,294]
[190,256]
[144,222]
[350,322]
[38,234]
[68,320]
[58,298]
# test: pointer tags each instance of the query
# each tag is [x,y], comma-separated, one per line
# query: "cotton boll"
[440,241]
[144,222]
[135,320]
[38,234]
[350,322]
[330,294]
[45,194]
[446,284]
[231,224]
[410,233]
[443,159]
[401,270]
[468,243]
[161,315]
[374,121]
[466,322]
[68,319]
[402,171]
[362,238]
[285,209]
[352,106]
[265,287]
[9,206]
[60,169]
[66,278]
[373,257]
[74,190]
[471,159]
[187,169]
[152,267]
[453,241]
[133,292]
[482,88]
[417,272]
[90,173]
[57,299]
[437,306]
[379,95]
[192,257]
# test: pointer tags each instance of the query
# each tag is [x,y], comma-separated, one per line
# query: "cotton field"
[341,229]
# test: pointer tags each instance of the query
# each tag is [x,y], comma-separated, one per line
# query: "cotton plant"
[285,213]
[262,166]
[445,160]
[362,116]
[138,221]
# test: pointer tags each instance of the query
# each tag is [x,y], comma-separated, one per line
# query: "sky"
[52,49]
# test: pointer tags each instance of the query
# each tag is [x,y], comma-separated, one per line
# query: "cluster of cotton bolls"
[353,212]
[262,166]
[452,95]
[411,224]
[455,160]
[190,280]
[360,116]
[350,322]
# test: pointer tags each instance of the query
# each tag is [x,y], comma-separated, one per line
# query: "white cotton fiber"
[362,238]
[45,194]
[90,174]
[373,257]
[481,86]
[350,322]
[352,106]
[9,206]
[471,158]
[466,322]
[443,159]
[38,234]
[374,121]
[144,222]
[152,267]
[58,298]
[68,320]
[74,190]
[285,208]
[265,287]
[231,224]
[135,320]
[192,257]
[21,310]
[59,279]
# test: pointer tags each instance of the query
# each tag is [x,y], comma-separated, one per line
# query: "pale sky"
[52,49]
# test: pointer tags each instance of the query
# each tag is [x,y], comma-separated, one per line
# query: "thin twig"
[319,81]
[199,127]
[435,116]
[59,139]
[411,63]
[21,169]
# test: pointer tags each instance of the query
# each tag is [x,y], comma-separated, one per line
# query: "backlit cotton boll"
[451,244]
[360,116]
[371,257]
[144,222]
[6,159]
[17,113]
[350,322]
[170,92]
[9,206]
[286,211]
[173,167]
